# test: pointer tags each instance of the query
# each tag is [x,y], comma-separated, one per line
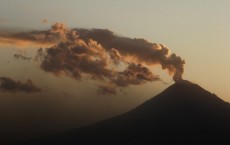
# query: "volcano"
[184,113]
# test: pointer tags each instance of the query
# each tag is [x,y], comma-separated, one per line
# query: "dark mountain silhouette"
[184,113]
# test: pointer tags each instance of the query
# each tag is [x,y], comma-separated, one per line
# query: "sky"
[196,31]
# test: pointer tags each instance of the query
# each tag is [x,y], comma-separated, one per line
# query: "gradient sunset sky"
[198,31]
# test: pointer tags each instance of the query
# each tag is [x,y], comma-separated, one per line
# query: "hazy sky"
[196,30]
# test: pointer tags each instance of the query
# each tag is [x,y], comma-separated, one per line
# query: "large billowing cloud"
[101,55]
[139,50]
[12,86]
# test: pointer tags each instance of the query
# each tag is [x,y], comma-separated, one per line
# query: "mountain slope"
[184,113]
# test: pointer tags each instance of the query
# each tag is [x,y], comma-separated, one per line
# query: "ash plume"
[101,55]
[9,85]
[139,50]
[134,74]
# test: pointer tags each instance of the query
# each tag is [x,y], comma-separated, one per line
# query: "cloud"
[20,56]
[12,86]
[77,58]
[134,74]
[137,50]
[99,54]
[116,56]
[44,38]
[106,90]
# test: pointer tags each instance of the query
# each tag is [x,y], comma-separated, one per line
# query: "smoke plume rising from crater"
[99,54]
